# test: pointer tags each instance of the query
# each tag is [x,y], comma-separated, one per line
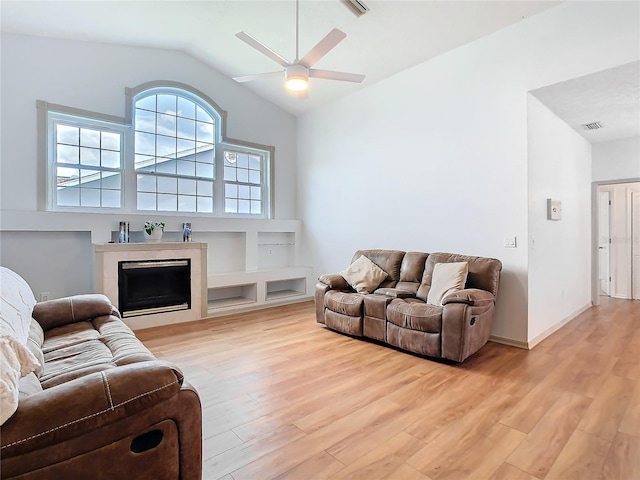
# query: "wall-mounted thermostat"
[554,209]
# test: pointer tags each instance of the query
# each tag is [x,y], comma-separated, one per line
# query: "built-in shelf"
[219,297]
[289,287]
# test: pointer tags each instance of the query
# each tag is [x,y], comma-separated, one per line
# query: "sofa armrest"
[470,296]
[77,308]
[80,406]
[334,281]
[394,293]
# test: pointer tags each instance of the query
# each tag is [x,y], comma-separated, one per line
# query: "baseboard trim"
[509,341]
[554,328]
[536,340]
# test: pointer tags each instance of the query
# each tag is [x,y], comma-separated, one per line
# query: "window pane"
[186,168]
[256,193]
[90,156]
[145,143]
[145,121]
[186,148]
[205,155]
[243,160]
[89,138]
[167,104]
[205,188]
[148,103]
[164,165]
[230,173]
[68,197]
[145,162]
[231,190]
[110,159]
[243,175]
[186,186]
[166,125]
[111,141]
[231,205]
[167,185]
[205,132]
[67,176]
[67,154]
[90,178]
[111,198]
[243,191]
[146,183]
[186,128]
[90,197]
[204,170]
[186,108]
[186,203]
[167,203]
[67,134]
[166,146]
[254,162]
[205,204]
[146,201]
[244,206]
[204,116]
[254,177]
[112,181]
[256,207]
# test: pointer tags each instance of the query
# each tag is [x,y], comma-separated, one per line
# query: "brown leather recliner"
[397,312]
[102,406]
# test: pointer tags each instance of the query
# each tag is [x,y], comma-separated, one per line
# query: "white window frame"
[47,179]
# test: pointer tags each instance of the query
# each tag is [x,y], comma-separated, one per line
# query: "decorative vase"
[155,236]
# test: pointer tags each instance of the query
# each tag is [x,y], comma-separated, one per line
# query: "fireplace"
[153,286]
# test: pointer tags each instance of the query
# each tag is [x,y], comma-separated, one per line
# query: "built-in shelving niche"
[276,250]
[277,289]
[227,251]
[218,297]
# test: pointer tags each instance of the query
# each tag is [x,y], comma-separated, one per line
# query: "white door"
[604,207]
[635,246]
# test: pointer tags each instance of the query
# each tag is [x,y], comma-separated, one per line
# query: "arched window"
[174,151]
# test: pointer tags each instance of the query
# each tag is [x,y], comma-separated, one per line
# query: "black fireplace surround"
[153,286]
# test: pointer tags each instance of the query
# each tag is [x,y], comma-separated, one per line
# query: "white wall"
[559,251]
[93,77]
[435,157]
[617,160]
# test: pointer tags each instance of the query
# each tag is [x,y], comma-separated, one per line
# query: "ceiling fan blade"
[331,39]
[258,76]
[331,75]
[262,48]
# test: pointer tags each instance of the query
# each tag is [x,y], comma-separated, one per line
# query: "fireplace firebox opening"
[153,286]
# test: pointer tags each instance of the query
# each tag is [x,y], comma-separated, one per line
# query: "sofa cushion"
[344,302]
[447,278]
[363,275]
[415,315]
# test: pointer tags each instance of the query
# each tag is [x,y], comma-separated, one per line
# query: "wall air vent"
[592,126]
[356,6]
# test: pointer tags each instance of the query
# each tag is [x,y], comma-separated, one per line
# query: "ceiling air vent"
[592,126]
[356,6]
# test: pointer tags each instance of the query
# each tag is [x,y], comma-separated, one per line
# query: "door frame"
[595,273]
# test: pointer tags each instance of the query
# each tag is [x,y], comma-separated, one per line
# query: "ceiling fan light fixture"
[297,78]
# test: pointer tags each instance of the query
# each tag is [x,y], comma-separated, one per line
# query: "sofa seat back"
[411,271]
[387,260]
[484,273]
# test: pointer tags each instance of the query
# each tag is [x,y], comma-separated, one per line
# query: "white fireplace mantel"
[107,256]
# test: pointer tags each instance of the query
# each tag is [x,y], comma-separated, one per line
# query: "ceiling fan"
[297,73]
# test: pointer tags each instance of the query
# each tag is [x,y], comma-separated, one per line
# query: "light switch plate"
[510,242]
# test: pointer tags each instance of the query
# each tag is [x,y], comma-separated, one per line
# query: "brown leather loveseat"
[100,406]
[399,310]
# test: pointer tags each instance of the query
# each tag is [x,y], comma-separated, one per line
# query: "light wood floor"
[284,397]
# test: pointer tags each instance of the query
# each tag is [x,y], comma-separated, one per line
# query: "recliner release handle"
[146,441]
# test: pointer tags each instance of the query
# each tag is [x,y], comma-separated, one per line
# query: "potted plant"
[153,231]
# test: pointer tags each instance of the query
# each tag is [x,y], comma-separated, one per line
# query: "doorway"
[617,240]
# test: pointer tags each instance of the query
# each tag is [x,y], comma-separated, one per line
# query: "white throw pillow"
[364,275]
[447,278]
[17,361]
[16,304]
